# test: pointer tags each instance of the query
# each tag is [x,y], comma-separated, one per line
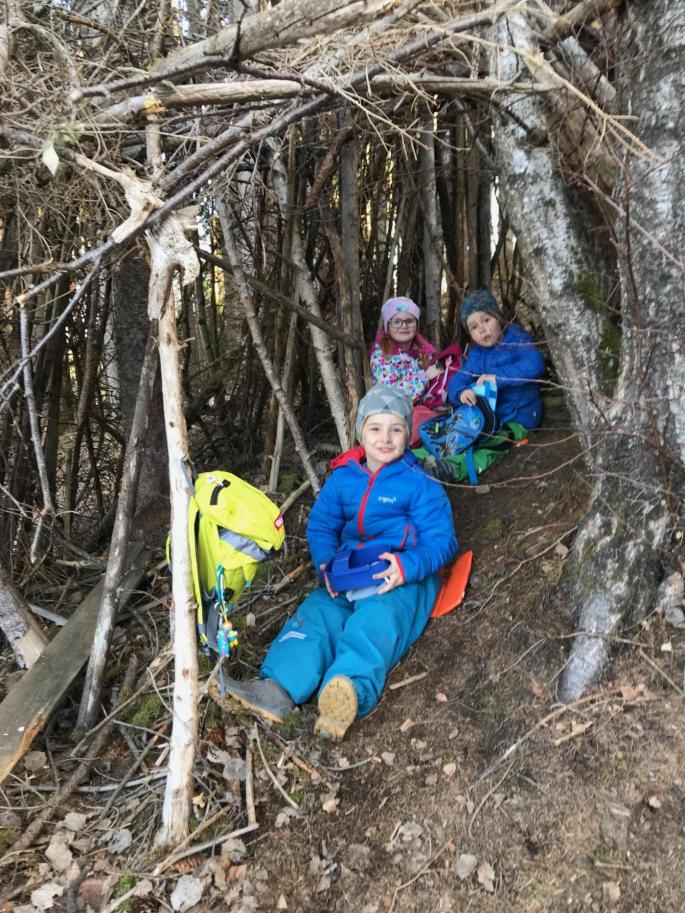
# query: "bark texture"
[622,547]
[546,216]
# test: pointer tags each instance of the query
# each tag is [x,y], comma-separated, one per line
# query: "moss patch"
[146,711]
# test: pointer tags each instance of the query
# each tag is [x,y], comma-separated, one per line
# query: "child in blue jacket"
[343,650]
[506,354]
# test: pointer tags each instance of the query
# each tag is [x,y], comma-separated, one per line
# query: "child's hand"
[489,378]
[330,591]
[392,576]
[468,397]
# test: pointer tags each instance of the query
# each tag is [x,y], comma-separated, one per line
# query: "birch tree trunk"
[178,794]
[637,433]
[544,214]
[622,548]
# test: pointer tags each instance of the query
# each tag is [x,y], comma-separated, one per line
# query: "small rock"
[407,725]
[614,827]
[441,698]
[675,617]
[233,849]
[187,893]
[561,550]
[58,853]
[431,780]
[388,758]
[10,819]
[282,903]
[450,769]
[35,761]
[466,866]
[611,892]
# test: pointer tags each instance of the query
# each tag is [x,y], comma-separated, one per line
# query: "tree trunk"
[131,328]
[116,566]
[179,784]
[545,215]
[622,546]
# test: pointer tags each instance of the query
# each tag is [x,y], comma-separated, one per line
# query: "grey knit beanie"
[480,300]
[382,398]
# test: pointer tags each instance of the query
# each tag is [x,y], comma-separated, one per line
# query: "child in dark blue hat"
[505,355]
[342,650]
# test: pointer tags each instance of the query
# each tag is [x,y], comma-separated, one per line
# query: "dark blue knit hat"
[480,300]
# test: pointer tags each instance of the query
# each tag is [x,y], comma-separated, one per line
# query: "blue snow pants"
[362,640]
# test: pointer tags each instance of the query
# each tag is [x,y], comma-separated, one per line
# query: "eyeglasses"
[398,322]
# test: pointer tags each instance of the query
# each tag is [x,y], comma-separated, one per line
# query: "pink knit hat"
[399,305]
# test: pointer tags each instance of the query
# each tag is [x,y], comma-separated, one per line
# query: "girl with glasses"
[401,357]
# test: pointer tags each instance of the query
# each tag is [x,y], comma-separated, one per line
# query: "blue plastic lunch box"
[354,569]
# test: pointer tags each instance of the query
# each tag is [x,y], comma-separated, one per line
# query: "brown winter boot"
[338,707]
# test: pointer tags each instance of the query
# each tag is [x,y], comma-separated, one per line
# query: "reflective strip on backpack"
[243,544]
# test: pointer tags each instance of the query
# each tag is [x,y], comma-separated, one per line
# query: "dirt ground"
[469,788]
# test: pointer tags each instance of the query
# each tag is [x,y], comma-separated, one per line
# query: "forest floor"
[469,788]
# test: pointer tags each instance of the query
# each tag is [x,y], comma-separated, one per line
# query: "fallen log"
[28,706]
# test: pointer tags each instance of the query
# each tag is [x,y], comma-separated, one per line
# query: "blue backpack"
[464,428]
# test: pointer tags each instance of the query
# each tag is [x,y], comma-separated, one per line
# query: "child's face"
[384,438]
[402,328]
[484,329]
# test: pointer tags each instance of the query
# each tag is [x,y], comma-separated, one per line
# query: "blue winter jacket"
[516,364]
[400,505]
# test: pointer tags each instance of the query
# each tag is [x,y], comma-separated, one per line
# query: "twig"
[564,708]
[293,575]
[663,674]
[249,787]
[293,496]
[210,844]
[401,887]
[291,802]
[132,769]
[74,781]
[407,681]
[485,799]
[179,851]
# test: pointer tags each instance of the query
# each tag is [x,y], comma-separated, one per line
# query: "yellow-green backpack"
[232,526]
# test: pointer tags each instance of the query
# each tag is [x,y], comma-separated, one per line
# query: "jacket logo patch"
[385,500]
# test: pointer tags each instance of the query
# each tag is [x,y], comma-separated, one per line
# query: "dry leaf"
[450,769]
[431,780]
[199,800]
[44,897]
[282,903]
[236,872]
[330,805]
[654,802]
[187,893]
[58,853]
[667,647]
[407,725]
[441,698]
[388,758]
[538,691]
[486,877]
